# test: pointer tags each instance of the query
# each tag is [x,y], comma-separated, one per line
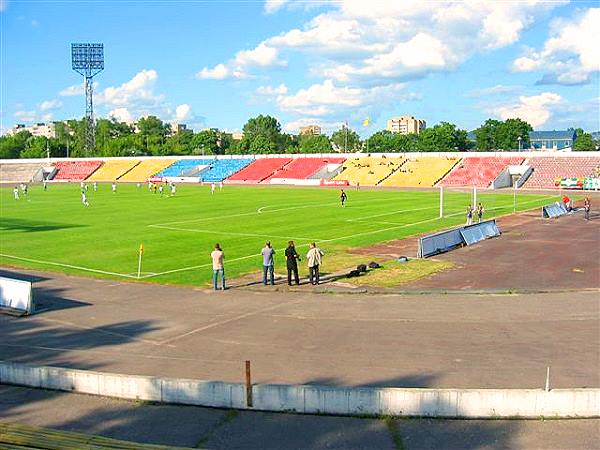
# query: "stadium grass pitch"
[52,230]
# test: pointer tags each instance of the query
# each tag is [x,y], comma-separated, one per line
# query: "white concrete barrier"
[469,403]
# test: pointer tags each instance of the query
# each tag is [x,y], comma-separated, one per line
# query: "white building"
[47,130]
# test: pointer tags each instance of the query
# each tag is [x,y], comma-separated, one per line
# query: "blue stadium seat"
[185,167]
[224,168]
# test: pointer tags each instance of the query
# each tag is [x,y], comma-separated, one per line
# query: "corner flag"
[141,248]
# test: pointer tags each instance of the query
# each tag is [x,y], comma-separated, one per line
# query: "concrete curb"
[348,401]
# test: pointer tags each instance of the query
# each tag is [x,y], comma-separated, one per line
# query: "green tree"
[207,142]
[583,141]
[508,134]
[498,135]
[346,140]
[153,126]
[381,142]
[12,146]
[317,143]
[443,137]
[262,134]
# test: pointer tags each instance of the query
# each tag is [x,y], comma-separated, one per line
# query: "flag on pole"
[141,248]
[366,122]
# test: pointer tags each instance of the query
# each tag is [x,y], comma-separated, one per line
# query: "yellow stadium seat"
[421,172]
[146,168]
[369,171]
[112,170]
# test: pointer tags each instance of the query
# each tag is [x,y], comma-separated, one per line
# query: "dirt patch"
[532,253]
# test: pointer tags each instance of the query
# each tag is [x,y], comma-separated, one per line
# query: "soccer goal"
[454,201]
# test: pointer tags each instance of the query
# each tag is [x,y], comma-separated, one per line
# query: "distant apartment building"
[47,130]
[237,135]
[178,127]
[405,125]
[310,130]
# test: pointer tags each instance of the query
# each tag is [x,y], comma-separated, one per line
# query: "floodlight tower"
[88,60]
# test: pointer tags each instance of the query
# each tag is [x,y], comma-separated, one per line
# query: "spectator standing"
[217,256]
[292,257]
[480,211]
[268,254]
[469,215]
[16,193]
[314,259]
[586,208]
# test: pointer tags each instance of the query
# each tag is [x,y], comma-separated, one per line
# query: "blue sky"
[215,64]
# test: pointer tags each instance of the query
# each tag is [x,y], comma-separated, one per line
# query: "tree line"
[263,135]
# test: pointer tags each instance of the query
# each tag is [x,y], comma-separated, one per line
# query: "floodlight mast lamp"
[88,61]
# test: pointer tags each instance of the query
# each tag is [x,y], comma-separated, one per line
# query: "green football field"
[52,230]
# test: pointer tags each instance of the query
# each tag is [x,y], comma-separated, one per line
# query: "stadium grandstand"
[259,170]
[479,171]
[75,170]
[20,172]
[146,169]
[421,172]
[547,169]
[369,170]
[304,168]
[113,169]
[186,168]
[224,168]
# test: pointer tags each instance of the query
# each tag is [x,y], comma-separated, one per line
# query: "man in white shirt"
[314,259]
[217,256]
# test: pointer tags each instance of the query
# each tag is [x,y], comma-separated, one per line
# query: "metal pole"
[441,202]
[547,379]
[474,196]
[514,197]
[248,386]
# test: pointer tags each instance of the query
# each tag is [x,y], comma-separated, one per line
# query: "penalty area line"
[69,266]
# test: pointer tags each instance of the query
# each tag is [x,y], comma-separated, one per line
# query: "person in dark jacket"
[292,257]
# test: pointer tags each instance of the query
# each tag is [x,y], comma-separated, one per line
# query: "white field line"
[232,233]
[399,211]
[70,266]
[366,233]
[262,211]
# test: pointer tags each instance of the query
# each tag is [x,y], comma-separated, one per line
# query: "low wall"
[472,403]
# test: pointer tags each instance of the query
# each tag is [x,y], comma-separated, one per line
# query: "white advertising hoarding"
[16,294]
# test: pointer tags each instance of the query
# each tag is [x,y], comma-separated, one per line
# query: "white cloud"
[262,55]
[182,112]
[273,5]
[270,91]
[137,92]
[327,127]
[26,116]
[535,109]
[76,90]
[48,105]
[328,100]
[388,41]
[121,115]
[571,55]
[219,72]
[499,89]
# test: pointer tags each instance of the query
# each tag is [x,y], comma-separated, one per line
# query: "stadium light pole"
[88,61]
